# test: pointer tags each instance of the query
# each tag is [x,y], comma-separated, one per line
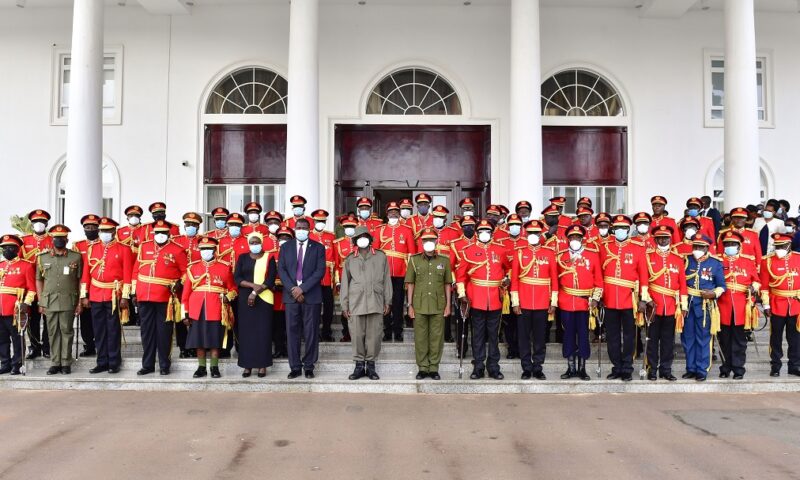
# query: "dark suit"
[715,217]
[302,318]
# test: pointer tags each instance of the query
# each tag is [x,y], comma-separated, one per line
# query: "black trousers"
[485,329]
[302,321]
[279,332]
[107,334]
[40,342]
[510,333]
[181,332]
[733,343]
[448,328]
[559,338]
[532,327]
[156,334]
[327,311]
[395,321]
[10,343]
[620,337]
[661,344]
[87,330]
[462,328]
[776,327]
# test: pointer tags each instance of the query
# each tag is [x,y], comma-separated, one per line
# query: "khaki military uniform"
[429,275]
[366,288]
[61,275]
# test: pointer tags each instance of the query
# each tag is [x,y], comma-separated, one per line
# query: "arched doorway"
[110,185]
[715,185]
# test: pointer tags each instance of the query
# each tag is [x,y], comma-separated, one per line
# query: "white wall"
[170,64]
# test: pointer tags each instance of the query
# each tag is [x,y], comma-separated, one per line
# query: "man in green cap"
[428,280]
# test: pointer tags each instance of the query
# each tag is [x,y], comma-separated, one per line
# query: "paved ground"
[142,435]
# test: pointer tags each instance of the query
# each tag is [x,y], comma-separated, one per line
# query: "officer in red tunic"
[444,232]
[253,223]
[17,294]
[220,216]
[751,245]
[736,305]
[233,245]
[365,216]
[158,210]
[423,218]
[693,206]
[603,223]
[160,265]
[189,242]
[457,247]
[397,242]
[406,211]
[343,247]
[32,245]
[584,216]
[580,286]
[550,217]
[688,227]
[641,225]
[563,220]
[105,288]
[326,238]
[668,299]
[298,203]
[273,219]
[584,202]
[523,208]
[534,296]
[514,241]
[625,280]
[208,289]
[127,234]
[90,223]
[480,274]
[494,215]
[661,217]
[780,278]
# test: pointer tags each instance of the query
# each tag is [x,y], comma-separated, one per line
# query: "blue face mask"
[731,250]
[301,235]
[621,234]
[219,223]
[255,249]
[207,254]
[693,212]
[235,231]
[297,211]
[364,214]
[191,230]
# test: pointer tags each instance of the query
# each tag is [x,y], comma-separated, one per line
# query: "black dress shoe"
[46,354]
[626,377]
[476,374]
[539,376]
[113,370]
[215,372]
[294,374]
[358,372]
[689,375]
[5,370]
[738,376]
[613,376]
[145,371]
[421,375]
[200,372]
[66,370]
[669,377]
[53,370]
[700,379]
[775,373]
[261,374]
[526,375]
[497,375]
[98,369]
[387,338]
[33,354]
[246,373]
[371,372]
[15,370]
[88,353]
[398,338]
[309,374]
[164,371]
[184,354]
[511,356]
[224,354]
[652,376]
[434,376]
[724,375]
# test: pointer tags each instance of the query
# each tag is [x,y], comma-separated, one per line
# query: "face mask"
[514,230]
[207,254]
[438,222]
[394,221]
[364,214]
[273,227]
[106,237]
[603,232]
[297,211]
[429,246]
[235,230]
[533,239]
[789,229]
[422,209]
[159,216]
[10,253]
[525,219]
[575,245]
[468,213]
[91,235]
[780,253]
[692,212]
[255,248]
[550,220]
[768,214]
[780,211]
[134,220]
[301,235]
[253,217]
[220,224]
[731,250]
[643,228]
[349,231]
[39,227]
[663,248]
[191,230]
[161,238]
[60,242]
[405,213]
[484,237]
[319,226]
[362,242]
[690,232]
[621,234]
[281,242]
[468,231]
[698,254]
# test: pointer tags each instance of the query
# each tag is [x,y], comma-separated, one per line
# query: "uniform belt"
[694,292]
[577,292]
[157,280]
[736,287]
[106,285]
[392,253]
[486,283]
[620,282]
[535,281]
[785,293]
[12,290]
[663,290]
[209,289]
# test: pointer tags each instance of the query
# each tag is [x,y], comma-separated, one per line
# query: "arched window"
[718,189]
[413,91]
[110,179]
[580,93]
[249,90]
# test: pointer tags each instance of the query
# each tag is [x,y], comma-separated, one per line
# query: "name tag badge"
[439,267]
[66,270]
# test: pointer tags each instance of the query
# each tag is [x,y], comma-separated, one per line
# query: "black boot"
[582,370]
[215,372]
[200,372]
[570,369]
[358,372]
[371,373]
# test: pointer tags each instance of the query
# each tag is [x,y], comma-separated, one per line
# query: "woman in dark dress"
[255,276]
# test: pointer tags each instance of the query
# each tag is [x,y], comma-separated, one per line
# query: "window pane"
[717,89]
[570,193]
[110,60]
[761,115]
[717,114]
[594,193]
[215,197]
[614,201]
[108,207]
[760,89]
[108,88]
[717,63]
[235,198]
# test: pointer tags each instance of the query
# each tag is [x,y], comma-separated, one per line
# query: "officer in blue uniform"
[705,280]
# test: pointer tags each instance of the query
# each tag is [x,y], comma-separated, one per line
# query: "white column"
[302,134]
[525,169]
[84,170]
[742,171]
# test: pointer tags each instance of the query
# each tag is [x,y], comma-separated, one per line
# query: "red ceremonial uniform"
[107,270]
[34,244]
[419,222]
[534,277]
[707,229]
[780,283]
[579,277]
[372,224]
[741,273]
[261,228]
[659,220]
[623,265]
[17,284]
[156,269]
[292,221]
[564,222]
[127,235]
[457,247]
[217,233]
[480,272]
[397,242]
[146,233]
[189,245]
[342,248]
[750,247]
[203,285]
[326,238]
[81,246]
[646,241]
[683,247]
[230,249]
[513,244]
[667,281]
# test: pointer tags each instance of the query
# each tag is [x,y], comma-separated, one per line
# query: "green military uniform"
[61,276]
[429,275]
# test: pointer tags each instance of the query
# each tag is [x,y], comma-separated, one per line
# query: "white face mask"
[281,242]
[394,221]
[525,219]
[789,229]
[161,238]
[698,254]
[768,214]
[781,253]
[301,235]
[514,230]
[533,239]
[253,217]
[39,227]
[134,220]
[319,226]
[362,242]
[349,231]
[364,214]
[438,222]
[297,211]
[106,237]
[468,213]
[484,237]
[273,227]
[643,228]
[405,213]
[575,245]
[235,230]
[663,248]
[690,232]
[207,254]
[429,246]
[255,248]
[603,232]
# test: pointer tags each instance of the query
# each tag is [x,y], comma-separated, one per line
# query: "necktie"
[299,273]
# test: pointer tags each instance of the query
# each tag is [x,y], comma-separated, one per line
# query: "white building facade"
[218,102]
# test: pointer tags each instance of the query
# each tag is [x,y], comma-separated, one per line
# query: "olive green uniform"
[61,276]
[429,275]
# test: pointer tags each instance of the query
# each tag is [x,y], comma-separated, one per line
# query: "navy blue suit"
[302,319]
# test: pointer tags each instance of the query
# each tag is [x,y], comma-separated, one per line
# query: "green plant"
[21,224]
